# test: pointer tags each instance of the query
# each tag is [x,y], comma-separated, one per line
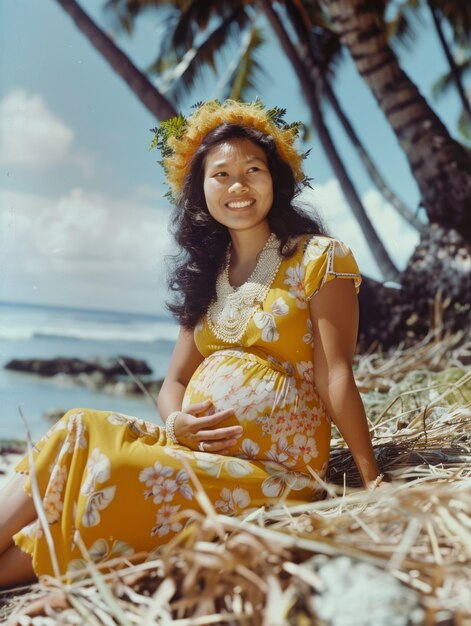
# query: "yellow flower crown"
[179,138]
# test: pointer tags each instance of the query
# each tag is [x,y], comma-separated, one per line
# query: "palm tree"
[458,15]
[440,165]
[155,102]
[319,49]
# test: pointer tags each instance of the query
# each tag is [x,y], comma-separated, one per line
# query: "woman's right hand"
[193,428]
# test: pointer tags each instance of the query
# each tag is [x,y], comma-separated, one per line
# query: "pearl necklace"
[230,312]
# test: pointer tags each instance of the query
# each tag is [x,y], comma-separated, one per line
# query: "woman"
[261,366]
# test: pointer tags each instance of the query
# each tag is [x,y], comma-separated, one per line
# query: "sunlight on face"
[238,185]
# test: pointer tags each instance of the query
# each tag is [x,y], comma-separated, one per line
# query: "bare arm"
[185,359]
[194,424]
[334,315]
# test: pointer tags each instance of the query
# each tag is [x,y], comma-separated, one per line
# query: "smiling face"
[238,185]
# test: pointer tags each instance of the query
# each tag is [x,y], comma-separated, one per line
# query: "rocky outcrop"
[435,293]
[108,367]
[105,374]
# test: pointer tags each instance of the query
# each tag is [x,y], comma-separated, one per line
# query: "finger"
[229,432]
[219,446]
[212,420]
[197,408]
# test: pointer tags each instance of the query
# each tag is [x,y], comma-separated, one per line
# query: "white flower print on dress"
[294,278]
[165,522]
[98,470]
[279,307]
[183,484]
[315,249]
[96,502]
[266,322]
[33,530]
[340,249]
[248,397]
[305,446]
[250,448]
[306,371]
[99,551]
[137,426]
[163,484]
[282,453]
[164,492]
[76,435]
[53,499]
[309,336]
[214,464]
[279,479]
[232,501]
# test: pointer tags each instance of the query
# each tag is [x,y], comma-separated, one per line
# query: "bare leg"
[16,567]
[17,511]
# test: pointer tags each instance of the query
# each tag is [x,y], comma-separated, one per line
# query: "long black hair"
[204,241]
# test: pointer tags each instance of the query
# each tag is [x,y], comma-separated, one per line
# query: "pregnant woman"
[268,312]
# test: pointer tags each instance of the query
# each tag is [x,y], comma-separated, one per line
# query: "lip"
[249,206]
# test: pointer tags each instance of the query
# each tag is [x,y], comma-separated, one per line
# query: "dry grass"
[398,555]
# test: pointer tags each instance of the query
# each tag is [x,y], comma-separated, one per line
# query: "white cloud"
[101,251]
[398,237]
[84,249]
[32,136]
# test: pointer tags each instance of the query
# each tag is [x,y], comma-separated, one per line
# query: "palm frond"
[192,20]
[183,76]
[122,14]
[402,27]
[443,84]
[245,71]
[458,15]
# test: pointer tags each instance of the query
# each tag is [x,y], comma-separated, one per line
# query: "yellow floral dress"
[113,484]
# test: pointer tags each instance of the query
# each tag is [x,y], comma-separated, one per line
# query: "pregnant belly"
[282,418]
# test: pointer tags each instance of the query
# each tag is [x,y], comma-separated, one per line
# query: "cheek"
[268,192]
[208,190]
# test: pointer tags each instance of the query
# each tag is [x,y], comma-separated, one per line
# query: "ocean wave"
[160,332]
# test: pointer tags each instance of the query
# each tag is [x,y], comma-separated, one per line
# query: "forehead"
[234,150]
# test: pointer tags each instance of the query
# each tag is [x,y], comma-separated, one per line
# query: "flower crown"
[179,138]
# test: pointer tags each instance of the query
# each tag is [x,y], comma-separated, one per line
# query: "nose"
[238,186]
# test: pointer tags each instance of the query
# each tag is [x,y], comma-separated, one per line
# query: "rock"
[122,387]
[435,293]
[106,368]
[54,415]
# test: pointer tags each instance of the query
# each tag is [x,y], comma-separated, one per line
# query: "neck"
[247,244]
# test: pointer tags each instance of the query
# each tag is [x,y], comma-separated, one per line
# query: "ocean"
[31,331]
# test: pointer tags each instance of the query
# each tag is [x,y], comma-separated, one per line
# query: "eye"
[254,168]
[219,174]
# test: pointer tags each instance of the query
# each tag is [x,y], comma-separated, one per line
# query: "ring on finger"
[201,446]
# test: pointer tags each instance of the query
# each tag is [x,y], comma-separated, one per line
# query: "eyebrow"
[225,162]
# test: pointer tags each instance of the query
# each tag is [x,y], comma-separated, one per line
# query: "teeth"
[239,205]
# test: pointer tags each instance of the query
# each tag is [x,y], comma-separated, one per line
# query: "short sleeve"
[325,259]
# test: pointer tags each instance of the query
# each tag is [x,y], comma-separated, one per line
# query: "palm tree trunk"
[370,166]
[302,24]
[147,93]
[309,89]
[455,72]
[440,165]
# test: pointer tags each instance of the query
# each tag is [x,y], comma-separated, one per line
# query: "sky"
[83,220]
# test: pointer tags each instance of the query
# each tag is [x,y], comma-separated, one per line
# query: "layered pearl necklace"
[229,314]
